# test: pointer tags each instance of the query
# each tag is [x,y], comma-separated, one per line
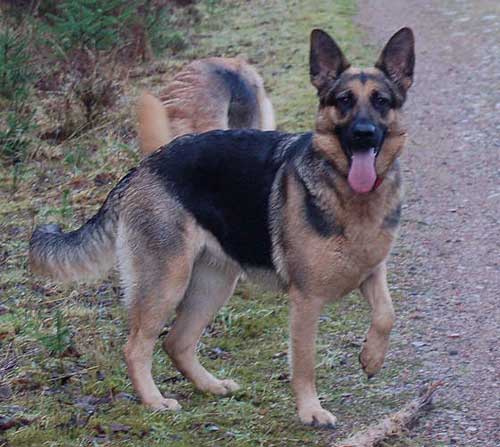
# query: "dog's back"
[214,93]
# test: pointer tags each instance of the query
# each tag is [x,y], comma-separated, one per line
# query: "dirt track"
[447,260]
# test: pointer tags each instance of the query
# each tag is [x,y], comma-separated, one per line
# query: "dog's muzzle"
[364,143]
[365,135]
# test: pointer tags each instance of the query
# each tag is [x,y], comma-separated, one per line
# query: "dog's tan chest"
[367,246]
[335,265]
[338,265]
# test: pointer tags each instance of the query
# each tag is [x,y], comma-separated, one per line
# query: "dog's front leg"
[375,290]
[304,315]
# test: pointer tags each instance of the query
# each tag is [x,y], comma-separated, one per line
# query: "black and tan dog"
[314,213]
[207,94]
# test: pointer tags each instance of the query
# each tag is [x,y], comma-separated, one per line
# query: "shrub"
[14,135]
[90,24]
[131,27]
[86,87]
[82,51]
[15,74]
[93,82]
[15,78]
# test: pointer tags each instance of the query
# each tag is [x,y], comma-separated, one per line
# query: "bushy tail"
[153,129]
[86,253]
[267,118]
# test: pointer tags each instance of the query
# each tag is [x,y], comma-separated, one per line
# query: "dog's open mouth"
[362,174]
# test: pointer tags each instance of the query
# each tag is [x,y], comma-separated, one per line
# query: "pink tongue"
[362,175]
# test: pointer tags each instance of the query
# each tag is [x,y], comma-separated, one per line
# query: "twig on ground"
[76,373]
[392,425]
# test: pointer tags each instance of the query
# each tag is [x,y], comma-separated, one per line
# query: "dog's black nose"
[364,130]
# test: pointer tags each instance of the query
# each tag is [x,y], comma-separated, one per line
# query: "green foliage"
[82,51]
[91,24]
[15,78]
[103,25]
[15,73]
[76,157]
[60,340]
[162,36]
[66,209]
[212,5]
[14,135]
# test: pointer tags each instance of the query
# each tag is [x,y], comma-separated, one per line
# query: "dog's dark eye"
[382,103]
[345,100]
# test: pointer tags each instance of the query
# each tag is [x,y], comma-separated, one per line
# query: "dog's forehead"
[363,81]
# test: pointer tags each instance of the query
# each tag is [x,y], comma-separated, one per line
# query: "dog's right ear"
[326,60]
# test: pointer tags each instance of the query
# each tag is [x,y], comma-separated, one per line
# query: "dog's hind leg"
[155,282]
[375,290]
[211,286]
[151,306]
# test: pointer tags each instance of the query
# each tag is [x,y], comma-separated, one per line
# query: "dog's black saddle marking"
[224,178]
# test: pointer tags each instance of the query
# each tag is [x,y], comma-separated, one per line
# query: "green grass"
[61,347]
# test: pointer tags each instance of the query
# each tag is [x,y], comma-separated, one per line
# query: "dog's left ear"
[326,60]
[397,59]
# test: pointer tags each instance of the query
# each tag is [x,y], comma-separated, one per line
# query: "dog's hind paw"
[165,405]
[230,385]
[317,417]
[221,387]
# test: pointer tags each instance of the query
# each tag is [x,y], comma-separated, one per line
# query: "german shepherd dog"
[208,94]
[314,213]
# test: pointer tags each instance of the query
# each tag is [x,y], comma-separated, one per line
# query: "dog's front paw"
[164,404]
[372,355]
[317,417]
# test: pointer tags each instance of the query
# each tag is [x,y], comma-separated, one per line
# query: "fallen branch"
[394,424]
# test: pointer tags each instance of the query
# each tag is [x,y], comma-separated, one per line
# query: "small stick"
[392,425]
[76,373]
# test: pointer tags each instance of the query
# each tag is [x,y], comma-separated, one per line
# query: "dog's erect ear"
[397,59]
[326,60]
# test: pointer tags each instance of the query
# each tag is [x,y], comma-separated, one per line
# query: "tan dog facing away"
[208,94]
[314,213]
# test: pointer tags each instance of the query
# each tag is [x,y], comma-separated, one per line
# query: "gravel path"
[447,260]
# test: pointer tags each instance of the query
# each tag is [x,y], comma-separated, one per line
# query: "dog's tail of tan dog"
[153,129]
[208,94]
[86,253]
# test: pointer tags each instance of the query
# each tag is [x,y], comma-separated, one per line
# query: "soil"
[446,262]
